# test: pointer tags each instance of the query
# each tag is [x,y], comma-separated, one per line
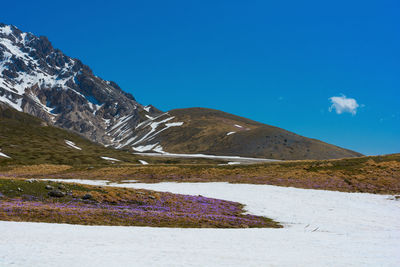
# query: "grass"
[28,200]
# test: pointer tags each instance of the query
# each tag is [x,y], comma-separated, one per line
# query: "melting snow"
[149,117]
[162,153]
[72,144]
[153,126]
[322,228]
[159,149]
[230,133]
[237,125]
[174,124]
[111,159]
[144,148]
[143,162]
[4,155]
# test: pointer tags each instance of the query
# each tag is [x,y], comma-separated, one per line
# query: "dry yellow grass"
[379,174]
[41,169]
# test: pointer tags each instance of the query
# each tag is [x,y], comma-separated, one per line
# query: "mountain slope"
[29,140]
[210,131]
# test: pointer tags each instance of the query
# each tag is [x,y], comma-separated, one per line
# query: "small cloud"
[343,104]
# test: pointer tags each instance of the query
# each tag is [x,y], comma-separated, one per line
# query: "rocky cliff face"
[42,81]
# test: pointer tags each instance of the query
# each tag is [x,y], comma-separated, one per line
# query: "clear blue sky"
[277,62]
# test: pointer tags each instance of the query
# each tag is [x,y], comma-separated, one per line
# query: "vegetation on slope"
[29,140]
[215,132]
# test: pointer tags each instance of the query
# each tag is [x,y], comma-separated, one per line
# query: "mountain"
[42,81]
[209,131]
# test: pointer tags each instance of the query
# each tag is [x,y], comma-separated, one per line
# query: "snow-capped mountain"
[40,80]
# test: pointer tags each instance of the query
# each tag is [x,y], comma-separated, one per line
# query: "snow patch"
[72,144]
[159,149]
[237,125]
[110,159]
[143,162]
[230,133]
[6,30]
[149,117]
[144,148]
[174,124]
[162,153]
[4,155]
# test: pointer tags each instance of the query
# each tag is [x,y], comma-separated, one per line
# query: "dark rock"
[49,187]
[87,196]
[61,187]
[56,193]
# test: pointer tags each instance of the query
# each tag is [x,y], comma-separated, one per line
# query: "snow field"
[322,228]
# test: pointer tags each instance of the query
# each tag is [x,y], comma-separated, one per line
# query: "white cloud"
[343,104]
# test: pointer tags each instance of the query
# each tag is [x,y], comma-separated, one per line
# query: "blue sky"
[277,62]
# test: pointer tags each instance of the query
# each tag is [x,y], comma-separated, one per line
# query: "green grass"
[16,188]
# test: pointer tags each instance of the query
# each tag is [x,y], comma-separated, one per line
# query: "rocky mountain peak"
[40,80]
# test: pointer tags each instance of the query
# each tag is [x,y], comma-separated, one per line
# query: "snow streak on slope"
[110,159]
[4,155]
[161,153]
[72,144]
[148,130]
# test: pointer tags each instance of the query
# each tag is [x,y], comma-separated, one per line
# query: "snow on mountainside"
[37,79]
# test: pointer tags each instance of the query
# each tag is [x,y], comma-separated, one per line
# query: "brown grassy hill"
[215,132]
